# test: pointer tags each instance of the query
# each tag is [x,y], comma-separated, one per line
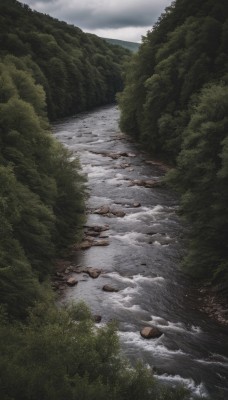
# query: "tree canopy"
[37,177]
[175,104]
[77,70]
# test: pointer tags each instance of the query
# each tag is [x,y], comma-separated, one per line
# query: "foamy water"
[167,326]
[154,346]
[197,390]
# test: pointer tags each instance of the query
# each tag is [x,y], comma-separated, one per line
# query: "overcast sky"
[117,19]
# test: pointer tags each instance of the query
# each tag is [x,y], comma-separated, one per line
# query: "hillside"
[175,103]
[132,46]
[78,71]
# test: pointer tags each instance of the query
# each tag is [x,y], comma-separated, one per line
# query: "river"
[142,260]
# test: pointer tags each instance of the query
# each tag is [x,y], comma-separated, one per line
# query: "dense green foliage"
[77,70]
[41,191]
[132,46]
[57,355]
[175,102]
[202,178]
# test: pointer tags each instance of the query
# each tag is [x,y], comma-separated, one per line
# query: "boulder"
[103,236]
[109,288]
[94,272]
[102,210]
[91,233]
[103,242]
[97,228]
[114,156]
[152,183]
[86,244]
[150,332]
[71,281]
[118,213]
[136,204]
[90,239]
[81,270]
[137,182]
[125,165]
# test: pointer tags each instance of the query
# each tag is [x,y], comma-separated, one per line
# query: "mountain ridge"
[132,46]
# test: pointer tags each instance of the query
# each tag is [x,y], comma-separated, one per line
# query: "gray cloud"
[102,14]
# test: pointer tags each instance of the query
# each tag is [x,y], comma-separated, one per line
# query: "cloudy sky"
[117,19]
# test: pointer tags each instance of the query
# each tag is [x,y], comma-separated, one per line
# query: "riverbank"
[213,304]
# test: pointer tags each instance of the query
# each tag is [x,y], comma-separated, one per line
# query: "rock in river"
[108,288]
[102,210]
[92,233]
[86,244]
[136,204]
[72,282]
[118,213]
[150,332]
[93,272]
[102,242]
[97,228]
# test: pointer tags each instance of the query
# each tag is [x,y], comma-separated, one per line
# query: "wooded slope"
[77,70]
[175,103]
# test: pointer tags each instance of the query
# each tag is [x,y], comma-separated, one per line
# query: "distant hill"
[132,46]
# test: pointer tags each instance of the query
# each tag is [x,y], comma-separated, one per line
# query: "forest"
[49,70]
[78,71]
[175,104]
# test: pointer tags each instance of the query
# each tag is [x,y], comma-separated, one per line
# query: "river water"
[146,246]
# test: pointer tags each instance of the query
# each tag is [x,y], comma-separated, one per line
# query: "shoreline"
[213,304]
